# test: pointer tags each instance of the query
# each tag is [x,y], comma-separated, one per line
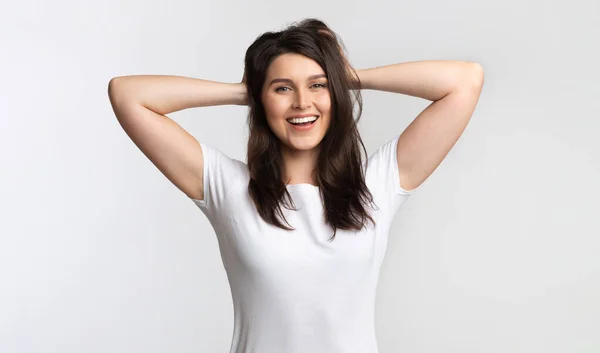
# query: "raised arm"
[453,86]
[140,104]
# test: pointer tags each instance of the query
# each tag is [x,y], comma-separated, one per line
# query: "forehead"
[293,66]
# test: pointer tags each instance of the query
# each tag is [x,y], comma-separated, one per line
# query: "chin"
[303,145]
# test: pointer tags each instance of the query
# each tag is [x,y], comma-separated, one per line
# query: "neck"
[300,166]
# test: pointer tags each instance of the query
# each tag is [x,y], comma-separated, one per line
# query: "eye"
[319,85]
[278,89]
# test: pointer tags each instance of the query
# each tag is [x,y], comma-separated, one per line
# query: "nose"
[301,100]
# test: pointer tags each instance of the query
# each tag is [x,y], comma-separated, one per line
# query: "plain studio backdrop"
[498,251]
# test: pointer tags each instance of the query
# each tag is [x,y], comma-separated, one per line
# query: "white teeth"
[302,120]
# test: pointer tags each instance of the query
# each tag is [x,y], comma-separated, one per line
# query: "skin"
[141,103]
[294,85]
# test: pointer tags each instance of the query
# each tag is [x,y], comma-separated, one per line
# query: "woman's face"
[296,87]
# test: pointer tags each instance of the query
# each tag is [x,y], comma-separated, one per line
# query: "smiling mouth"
[305,123]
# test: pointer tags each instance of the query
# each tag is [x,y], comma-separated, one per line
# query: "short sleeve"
[383,180]
[222,174]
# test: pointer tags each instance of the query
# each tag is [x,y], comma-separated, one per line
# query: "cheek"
[274,110]
[274,107]
[324,105]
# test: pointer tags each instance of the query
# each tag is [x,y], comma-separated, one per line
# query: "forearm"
[430,80]
[167,94]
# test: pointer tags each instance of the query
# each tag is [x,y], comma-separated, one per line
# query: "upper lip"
[302,116]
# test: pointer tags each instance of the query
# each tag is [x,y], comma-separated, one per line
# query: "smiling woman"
[302,73]
[307,285]
[292,106]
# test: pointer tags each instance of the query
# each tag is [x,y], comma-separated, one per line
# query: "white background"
[498,251]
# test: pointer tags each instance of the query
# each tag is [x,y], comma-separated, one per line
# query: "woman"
[303,226]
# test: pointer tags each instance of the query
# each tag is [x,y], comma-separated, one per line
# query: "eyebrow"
[287,80]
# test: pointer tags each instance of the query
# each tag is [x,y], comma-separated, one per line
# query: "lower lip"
[304,127]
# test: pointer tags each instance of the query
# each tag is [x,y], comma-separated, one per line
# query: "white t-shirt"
[297,291]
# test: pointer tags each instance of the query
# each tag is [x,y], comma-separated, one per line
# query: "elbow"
[115,90]
[471,77]
[475,75]
[113,84]
[112,96]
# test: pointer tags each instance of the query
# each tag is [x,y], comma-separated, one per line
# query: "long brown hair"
[340,174]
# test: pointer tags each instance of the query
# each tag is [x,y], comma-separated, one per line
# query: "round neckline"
[303,185]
